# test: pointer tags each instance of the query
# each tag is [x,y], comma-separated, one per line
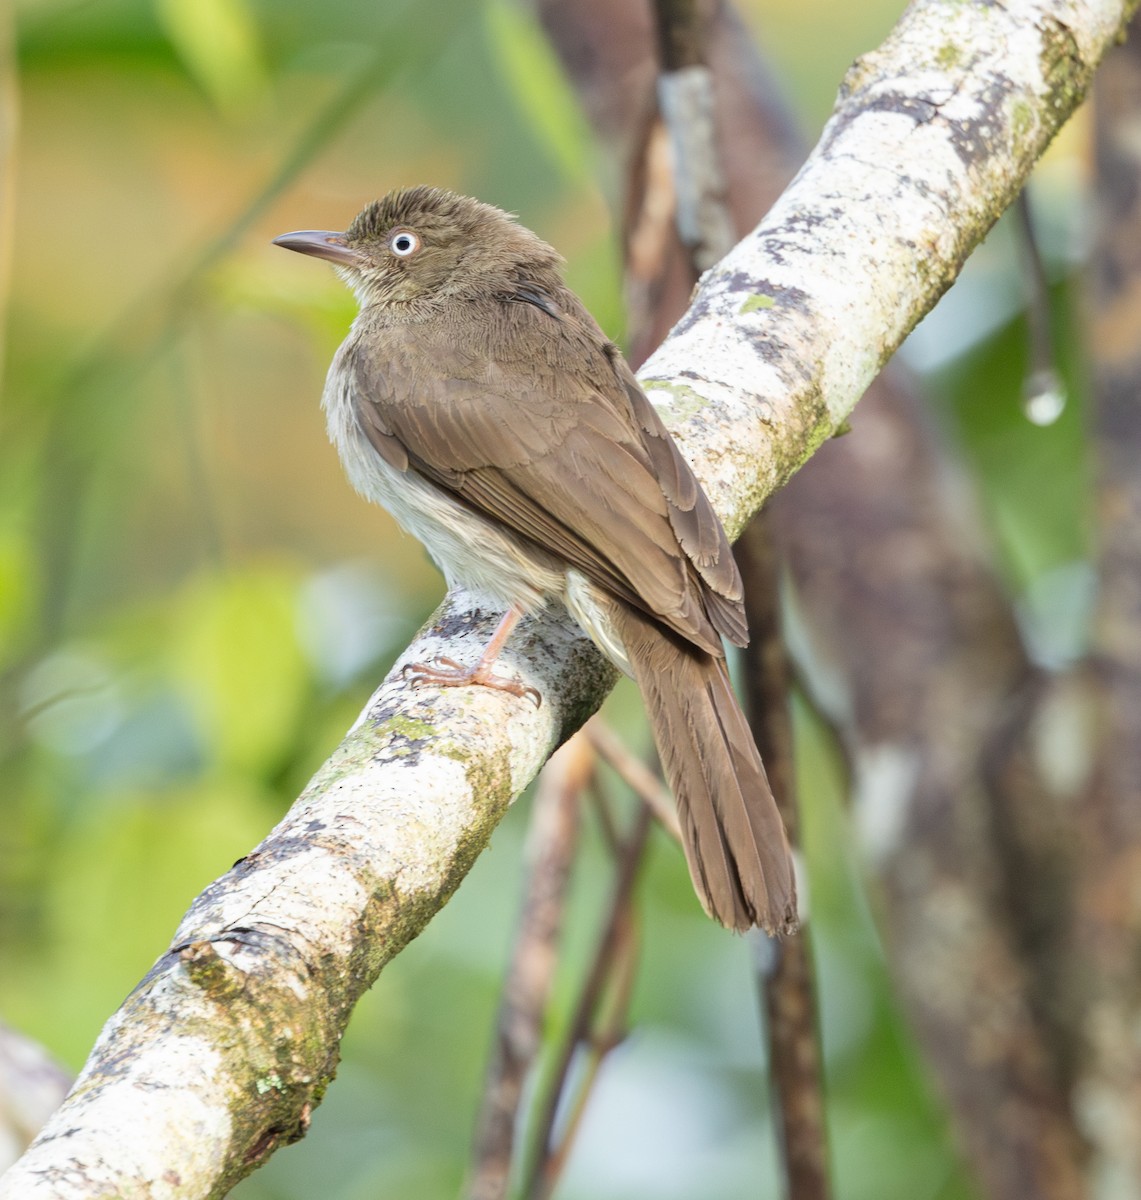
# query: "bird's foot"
[446,672]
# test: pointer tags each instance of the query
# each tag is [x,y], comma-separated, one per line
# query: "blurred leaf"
[315,300]
[18,591]
[72,700]
[595,274]
[235,650]
[218,41]
[122,879]
[533,74]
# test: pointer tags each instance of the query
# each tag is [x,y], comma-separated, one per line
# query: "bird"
[477,400]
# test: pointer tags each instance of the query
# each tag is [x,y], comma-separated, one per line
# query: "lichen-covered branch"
[220,1054]
[933,136]
[222,1051]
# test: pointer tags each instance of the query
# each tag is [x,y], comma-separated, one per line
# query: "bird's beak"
[320,243]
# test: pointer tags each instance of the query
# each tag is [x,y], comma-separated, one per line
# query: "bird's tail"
[733,836]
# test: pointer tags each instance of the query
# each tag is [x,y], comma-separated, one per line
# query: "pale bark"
[221,1052]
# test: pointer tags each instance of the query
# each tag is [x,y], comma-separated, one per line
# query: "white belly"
[472,551]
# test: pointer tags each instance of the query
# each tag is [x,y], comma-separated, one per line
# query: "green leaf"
[17,590]
[219,43]
[122,878]
[533,74]
[237,657]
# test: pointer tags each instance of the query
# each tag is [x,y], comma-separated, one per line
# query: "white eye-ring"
[403,243]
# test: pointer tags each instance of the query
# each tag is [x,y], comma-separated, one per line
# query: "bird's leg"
[446,672]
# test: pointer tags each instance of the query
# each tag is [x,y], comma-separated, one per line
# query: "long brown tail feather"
[733,836]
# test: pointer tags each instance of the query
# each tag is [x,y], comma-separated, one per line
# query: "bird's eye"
[404,243]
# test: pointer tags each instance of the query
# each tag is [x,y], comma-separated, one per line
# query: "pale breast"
[471,551]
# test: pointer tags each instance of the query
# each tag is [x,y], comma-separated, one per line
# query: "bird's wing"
[534,420]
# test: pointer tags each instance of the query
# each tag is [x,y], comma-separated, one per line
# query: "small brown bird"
[478,401]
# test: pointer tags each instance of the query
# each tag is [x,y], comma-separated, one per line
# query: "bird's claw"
[446,672]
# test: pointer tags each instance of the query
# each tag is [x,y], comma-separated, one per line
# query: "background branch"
[785,967]
[705,224]
[638,777]
[552,842]
[1085,937]
[599,1020]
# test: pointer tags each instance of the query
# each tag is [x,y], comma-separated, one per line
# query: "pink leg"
[446,672]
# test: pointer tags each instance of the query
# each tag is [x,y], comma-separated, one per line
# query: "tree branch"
[907,642]
[221,1052]
[1101,952]
[785,970]
[785,978]
[551,845]
[599,1020]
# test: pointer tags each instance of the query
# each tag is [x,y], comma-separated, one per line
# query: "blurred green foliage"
[194,605]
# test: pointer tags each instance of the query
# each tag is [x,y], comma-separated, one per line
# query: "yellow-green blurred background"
[194,605]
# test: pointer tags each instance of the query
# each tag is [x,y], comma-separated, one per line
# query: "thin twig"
[613,953]
[600,802]
[784,969]
[607,1032]
[635,775]
[552,843]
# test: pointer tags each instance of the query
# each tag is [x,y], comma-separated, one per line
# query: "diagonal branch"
[233,1035]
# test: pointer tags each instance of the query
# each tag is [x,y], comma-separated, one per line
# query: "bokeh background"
[194,606]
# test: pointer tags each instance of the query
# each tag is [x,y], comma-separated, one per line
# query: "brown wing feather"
[536,421]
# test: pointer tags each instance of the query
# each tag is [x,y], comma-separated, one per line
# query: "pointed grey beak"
[320,243]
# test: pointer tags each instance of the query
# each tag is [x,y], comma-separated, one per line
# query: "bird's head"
[423,243]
